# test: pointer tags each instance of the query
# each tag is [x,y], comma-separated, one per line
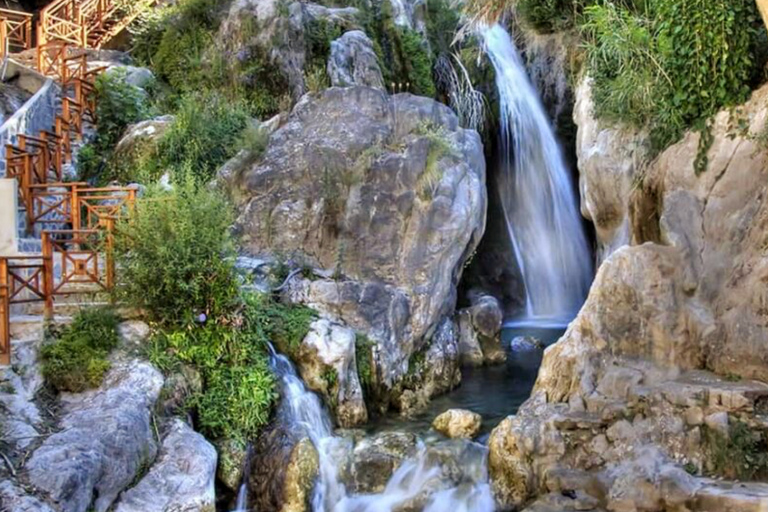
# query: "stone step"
[64,308]
[715,496]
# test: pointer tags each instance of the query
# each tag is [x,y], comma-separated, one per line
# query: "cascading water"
[418,480]
[537,195]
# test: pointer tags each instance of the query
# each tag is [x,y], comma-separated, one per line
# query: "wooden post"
[3,37]
[110,254]
[74,205]
[48,274]
[5,315]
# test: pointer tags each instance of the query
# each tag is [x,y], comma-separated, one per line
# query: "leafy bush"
[364,360]
[78,360]
[176,255]
[203,136]
[230,353]
[671,64]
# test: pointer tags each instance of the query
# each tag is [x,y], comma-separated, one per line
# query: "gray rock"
[232,461]
[182,478]
[14,499]
[106,438]
[458,423]
[353,62]
[525,344]
[347,183]
[132,75]
[480,331]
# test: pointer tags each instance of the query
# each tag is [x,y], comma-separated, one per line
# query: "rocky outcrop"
[14,499]
[105,439]
[276,32]
[654,373]
[354,62]
[458,423]
[610,158]
[182,477]
[326,360]
[388,193]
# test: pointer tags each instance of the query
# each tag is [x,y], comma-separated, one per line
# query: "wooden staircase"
[74,220]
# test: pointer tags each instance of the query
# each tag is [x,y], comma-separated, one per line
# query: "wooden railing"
[15,31]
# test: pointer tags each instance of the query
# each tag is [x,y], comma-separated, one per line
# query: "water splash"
[419,480]
[537,195]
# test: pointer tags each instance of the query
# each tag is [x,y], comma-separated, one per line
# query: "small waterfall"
[418,480]
[537,195]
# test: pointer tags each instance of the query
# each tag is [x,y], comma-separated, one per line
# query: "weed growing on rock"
[78,359]
[440,147]
[364,361]
[742,454]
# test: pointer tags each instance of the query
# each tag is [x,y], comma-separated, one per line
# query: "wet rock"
[300,477]
[327,362]
[232,461]
[283,466]
[375,459]
[354,62]
[182,477]
[458,423]
[396,240]
[526,344]
[431,373]
[132,75]
[106,438]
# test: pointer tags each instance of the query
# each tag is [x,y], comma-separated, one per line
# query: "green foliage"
[288,325]
[671,64]
[119,104]
[176,255]
[442,21]
[254,139]
[78,360]
[364,360]
[439,148]
[203,136]
[415,63]
[742,454]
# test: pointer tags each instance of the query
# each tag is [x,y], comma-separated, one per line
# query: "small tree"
[175,255]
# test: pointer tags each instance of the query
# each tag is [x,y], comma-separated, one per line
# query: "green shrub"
[364,360]
[415,63]
[203,136]
[176,255]
[229,351]
[78,360]
[237,400]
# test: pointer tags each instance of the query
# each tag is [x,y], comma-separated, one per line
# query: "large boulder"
[458,423]
[388,192]
[106,438]
[182,477]
[479,328]
[353,61]
[375,459]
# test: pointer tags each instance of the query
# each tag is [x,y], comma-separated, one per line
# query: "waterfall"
[419,478]
[537,195]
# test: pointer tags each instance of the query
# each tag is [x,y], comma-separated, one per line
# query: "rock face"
[327,363]
[458,423]
[610,158]
[375,459]
[277,31]
[181,479]
[106,437]
[657,364]
[389,192]
[353,62]
[14,498]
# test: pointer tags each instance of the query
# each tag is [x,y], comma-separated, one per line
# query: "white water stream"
[537,195]
[420,479]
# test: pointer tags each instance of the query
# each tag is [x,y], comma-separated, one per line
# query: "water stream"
[419,479]
[537,195]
